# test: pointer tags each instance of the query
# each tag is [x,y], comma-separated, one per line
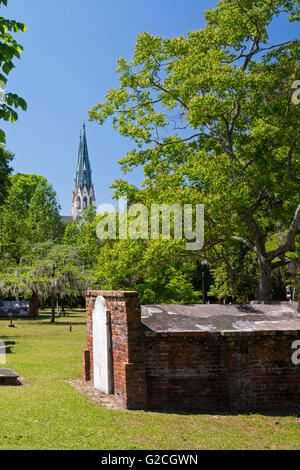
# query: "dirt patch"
[111,402]
[22,382]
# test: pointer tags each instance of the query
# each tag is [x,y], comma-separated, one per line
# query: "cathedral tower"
[83,194]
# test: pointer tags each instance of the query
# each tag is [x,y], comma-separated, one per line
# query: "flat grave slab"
[8,377]
[221,318]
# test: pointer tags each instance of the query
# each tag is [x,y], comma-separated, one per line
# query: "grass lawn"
[51,414]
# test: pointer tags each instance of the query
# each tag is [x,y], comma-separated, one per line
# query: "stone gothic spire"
[83,194]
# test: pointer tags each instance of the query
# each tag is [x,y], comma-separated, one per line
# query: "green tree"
[30,215]
[214,121]
[5,170]
[156,269]
[10,49]
[82,233]
[234,273]
[47,270]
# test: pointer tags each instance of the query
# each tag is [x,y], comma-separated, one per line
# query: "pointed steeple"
[83,174]
[83,194]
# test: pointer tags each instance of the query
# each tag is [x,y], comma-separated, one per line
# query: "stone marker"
[8,377]
[103,371]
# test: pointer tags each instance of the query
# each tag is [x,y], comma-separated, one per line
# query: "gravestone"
[18,309]
[8,377]
[102,351]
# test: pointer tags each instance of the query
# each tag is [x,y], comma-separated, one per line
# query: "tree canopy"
[29,215]
[154,268]
[5,172]
[48,270]
[213,120]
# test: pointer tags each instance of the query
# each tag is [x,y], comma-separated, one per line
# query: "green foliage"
[213,122]
[5,170]
[157,270]
[10,49]
[82,234]
[235,274]
[30,215]
[48,269]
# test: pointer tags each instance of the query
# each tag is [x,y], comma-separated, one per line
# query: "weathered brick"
[222,371]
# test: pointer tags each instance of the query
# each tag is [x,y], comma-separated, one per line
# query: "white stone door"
[102,351]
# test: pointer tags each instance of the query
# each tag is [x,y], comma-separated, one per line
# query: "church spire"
[83,174]
[83,194]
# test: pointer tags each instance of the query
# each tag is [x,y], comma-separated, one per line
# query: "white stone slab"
[102,352]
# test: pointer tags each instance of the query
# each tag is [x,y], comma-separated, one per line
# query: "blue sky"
[69,62]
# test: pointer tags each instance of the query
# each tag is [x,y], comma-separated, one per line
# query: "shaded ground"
[111,402]
[52,414]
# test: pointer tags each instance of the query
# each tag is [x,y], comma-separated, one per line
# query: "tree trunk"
[52,307]
[264,279]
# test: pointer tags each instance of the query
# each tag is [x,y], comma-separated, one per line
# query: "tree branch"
[165,90]
[163,144]
[289,245]
[279,264]
[292,177]
[259,245]
[244,242]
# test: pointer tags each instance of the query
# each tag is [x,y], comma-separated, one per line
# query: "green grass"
[51,414]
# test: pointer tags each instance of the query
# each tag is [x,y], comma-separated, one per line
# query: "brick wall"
[129,374]
[234,371]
